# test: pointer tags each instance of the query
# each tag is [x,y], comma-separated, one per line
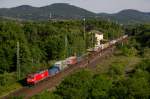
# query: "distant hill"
[127,16]
[67,11]
[58,10]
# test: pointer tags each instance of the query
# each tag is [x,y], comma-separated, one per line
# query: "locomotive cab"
[30,79]
[36,77]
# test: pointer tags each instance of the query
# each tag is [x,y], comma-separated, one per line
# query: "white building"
[99,37]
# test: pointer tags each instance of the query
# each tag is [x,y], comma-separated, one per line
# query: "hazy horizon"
[97,6]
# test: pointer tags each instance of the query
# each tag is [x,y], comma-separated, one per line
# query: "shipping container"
[82,57]
[79,59]
[71,60]
[92,49]
[113,42]
[61,65]
[106,45]
[125,36]
[36,77]
[53,71]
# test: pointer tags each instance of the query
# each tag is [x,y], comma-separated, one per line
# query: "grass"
[5,90]
[117,57]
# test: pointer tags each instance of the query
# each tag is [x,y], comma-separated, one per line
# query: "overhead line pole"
[18,61]
[66,46]
[84,34]
[66,42]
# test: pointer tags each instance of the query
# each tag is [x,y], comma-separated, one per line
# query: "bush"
[129,51]
[76,86]
[7,79]
[46,95]
[100,87]
[116,69]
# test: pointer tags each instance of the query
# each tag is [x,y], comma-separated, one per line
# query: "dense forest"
[117,82]
[43,43]
[39,44]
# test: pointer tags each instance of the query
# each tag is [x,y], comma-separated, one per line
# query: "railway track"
[52,82]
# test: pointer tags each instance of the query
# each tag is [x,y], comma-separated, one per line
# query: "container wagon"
[53,71]
[61,65]
[71,60]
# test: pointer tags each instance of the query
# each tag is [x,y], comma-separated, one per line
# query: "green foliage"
[119,90]
[144,65]
[128,51]
[8,82]
[8,39]
[100,87]
[116,83]
[75,86]
[86,85]
[146,53]
[139,86]
[134,87]
[16,97]
[41,42]
[116,69]
[46,95]
[7,79]
[141,35]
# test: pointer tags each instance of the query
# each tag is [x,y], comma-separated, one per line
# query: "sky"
[97,6]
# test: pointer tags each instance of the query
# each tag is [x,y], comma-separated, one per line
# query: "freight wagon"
[53,71]
[125,36]
[113,42]
[106,45]
[71,60]
[61,64]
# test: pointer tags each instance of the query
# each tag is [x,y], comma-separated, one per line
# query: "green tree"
[77,86]
[100,87]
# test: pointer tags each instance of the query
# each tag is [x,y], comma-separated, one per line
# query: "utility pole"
[50,15]
[66,46]
[66,41]
[84,27]
[18,61]
[93,41]
[84,34]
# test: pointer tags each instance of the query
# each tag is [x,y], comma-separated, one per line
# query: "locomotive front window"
[31,77]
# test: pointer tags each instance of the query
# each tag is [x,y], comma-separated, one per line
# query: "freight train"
[59,66]
[34,78]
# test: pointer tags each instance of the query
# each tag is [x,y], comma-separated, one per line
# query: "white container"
[61,64]
[71,60]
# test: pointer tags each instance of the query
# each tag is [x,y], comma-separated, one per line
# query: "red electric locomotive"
[36,77]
